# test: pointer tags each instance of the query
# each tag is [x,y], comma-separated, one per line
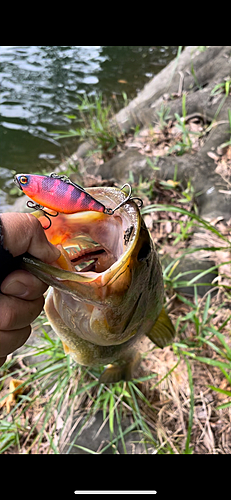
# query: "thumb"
[24,233]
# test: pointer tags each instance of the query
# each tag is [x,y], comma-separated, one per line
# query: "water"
[40,84]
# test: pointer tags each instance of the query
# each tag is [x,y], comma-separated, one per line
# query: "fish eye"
[144,252]
[23,179]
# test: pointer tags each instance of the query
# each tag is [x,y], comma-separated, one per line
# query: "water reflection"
[40,84]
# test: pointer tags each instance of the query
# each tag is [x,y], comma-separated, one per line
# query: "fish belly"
[122,360]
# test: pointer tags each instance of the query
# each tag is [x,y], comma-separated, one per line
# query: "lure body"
[58,193]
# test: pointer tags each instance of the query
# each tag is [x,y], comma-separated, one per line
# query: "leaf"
[111,414]
[212,362]
[72,117]
[221,391]
[171,208]
[225,405]
[207,304]
[188,450]
[14,389]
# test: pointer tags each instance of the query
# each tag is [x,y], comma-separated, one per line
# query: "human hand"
[21,297]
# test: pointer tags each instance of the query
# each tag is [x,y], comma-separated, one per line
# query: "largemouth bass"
[106,288]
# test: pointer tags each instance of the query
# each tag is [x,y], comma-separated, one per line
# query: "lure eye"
[23,179]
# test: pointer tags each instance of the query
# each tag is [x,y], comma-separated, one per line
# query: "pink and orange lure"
[59,193]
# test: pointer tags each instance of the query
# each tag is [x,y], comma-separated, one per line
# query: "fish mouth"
[83,254]
[95,247]
[88,260]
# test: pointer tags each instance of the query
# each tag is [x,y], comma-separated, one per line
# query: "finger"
[17,313]
[32,237]
[24,285]
[10,341]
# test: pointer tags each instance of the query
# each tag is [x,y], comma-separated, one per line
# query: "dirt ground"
[169,392]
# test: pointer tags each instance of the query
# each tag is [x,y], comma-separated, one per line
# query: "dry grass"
[173,402]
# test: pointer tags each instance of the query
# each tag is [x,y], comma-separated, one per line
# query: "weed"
[136,130]
[189,450]
[164,115]
[57,390]
[125,98]
[202,48]
[182,146]
[195,77]
[185,231]
[220,88]
[185,143]
[96,124]
[223,87]
[152,164]
[228,143]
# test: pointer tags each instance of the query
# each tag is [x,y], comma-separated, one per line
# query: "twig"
[181,83]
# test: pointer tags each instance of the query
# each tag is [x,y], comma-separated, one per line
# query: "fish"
[106,289]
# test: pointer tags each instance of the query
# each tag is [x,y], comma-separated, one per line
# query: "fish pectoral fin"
[163,332]
[66,348]
[115,373]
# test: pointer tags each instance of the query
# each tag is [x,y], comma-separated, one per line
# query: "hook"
[110,211]
[36,206]
[139,199]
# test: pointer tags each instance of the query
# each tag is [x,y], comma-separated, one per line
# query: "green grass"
[185,144]
[95,119]
[163,115]
[55,388]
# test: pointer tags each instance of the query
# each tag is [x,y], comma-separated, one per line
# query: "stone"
[94,435]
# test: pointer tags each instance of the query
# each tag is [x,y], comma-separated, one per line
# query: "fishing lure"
[36,206]
[59,193]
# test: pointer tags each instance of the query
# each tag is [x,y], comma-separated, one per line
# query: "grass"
[185,144]
[180,401]
[95,119]
[163,116]
[56,391]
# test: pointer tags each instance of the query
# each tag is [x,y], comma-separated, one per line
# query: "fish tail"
[125,371]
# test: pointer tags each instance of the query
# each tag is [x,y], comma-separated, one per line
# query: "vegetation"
[180,401]
[95,119]
[54,389]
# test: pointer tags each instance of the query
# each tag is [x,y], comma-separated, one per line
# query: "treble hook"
[139,199]
[36,206]
[110,211]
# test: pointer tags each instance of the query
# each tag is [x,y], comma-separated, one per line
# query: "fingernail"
[15,288]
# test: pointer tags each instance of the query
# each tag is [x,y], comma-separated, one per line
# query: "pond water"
[40,84]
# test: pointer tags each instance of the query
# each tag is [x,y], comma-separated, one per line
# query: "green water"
[40,84]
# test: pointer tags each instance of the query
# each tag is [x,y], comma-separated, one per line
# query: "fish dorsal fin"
[163,332]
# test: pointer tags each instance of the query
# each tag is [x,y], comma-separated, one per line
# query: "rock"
[20,205]
[95,435]
[122,165]
[194,73]
[188,265]
[84,148]
[35,340]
